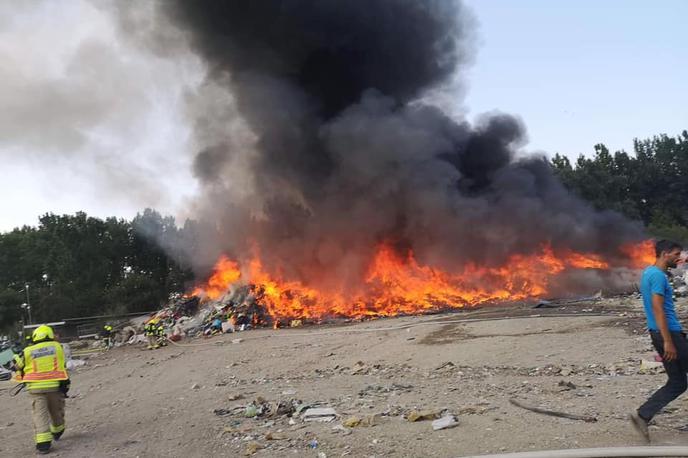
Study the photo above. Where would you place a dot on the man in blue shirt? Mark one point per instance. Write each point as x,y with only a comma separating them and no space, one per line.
666,333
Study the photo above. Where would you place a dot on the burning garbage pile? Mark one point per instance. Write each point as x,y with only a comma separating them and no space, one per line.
333,183
194,316
237,297
394,284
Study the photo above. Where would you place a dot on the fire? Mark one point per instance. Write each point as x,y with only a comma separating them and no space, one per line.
590,261
396,283
641,254
224,274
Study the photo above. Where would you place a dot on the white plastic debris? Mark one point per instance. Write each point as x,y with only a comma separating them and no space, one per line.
137,338
448,421
74,363
646,365
324,414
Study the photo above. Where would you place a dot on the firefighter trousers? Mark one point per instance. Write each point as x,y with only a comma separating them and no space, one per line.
48,415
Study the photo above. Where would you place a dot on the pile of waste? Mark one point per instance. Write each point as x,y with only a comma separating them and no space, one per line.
238,310
196,316
679,279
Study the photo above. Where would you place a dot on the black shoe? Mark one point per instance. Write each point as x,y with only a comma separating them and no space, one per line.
56,436
43,447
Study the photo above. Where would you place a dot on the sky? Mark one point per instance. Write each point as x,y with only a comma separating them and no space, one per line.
583,72
90,120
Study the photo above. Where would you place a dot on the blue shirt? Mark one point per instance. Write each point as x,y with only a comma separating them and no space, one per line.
655,281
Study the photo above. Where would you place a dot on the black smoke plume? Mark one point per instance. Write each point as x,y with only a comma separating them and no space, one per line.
325,144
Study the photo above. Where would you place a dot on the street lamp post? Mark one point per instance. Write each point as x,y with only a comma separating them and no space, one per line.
28,310
28,302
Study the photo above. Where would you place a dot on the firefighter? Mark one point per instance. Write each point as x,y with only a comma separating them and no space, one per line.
44,373
160,334
107,335
150,329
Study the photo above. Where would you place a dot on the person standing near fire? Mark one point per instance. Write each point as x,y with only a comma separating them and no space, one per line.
43,371
107,335
150,329
666,333
160,334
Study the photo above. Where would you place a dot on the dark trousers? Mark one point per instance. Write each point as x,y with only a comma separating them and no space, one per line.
676,371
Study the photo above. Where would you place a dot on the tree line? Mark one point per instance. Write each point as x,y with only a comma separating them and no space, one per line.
77,265
650,185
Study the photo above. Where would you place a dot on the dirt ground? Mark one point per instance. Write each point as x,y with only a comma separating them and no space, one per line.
582,358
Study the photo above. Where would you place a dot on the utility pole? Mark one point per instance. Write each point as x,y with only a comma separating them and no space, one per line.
28,302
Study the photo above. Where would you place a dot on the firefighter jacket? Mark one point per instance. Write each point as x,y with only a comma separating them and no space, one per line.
43,366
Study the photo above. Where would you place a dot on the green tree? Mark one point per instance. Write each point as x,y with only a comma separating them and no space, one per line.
651,185
76,265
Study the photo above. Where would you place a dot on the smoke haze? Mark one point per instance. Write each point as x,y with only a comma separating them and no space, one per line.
325,144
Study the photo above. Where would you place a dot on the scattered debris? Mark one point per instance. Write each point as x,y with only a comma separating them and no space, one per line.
554,413
126,333
651,366
447,365
368,420
423,415
137,339
324,414
299,408
561,302
77,344
275,437
378,390
566,386
352,422
252,448
74,363
478,409
545,304
250,411
358,368
447,421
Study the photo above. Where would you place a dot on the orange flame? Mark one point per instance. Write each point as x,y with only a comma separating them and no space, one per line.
641,254
589,261
224,274
398,284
